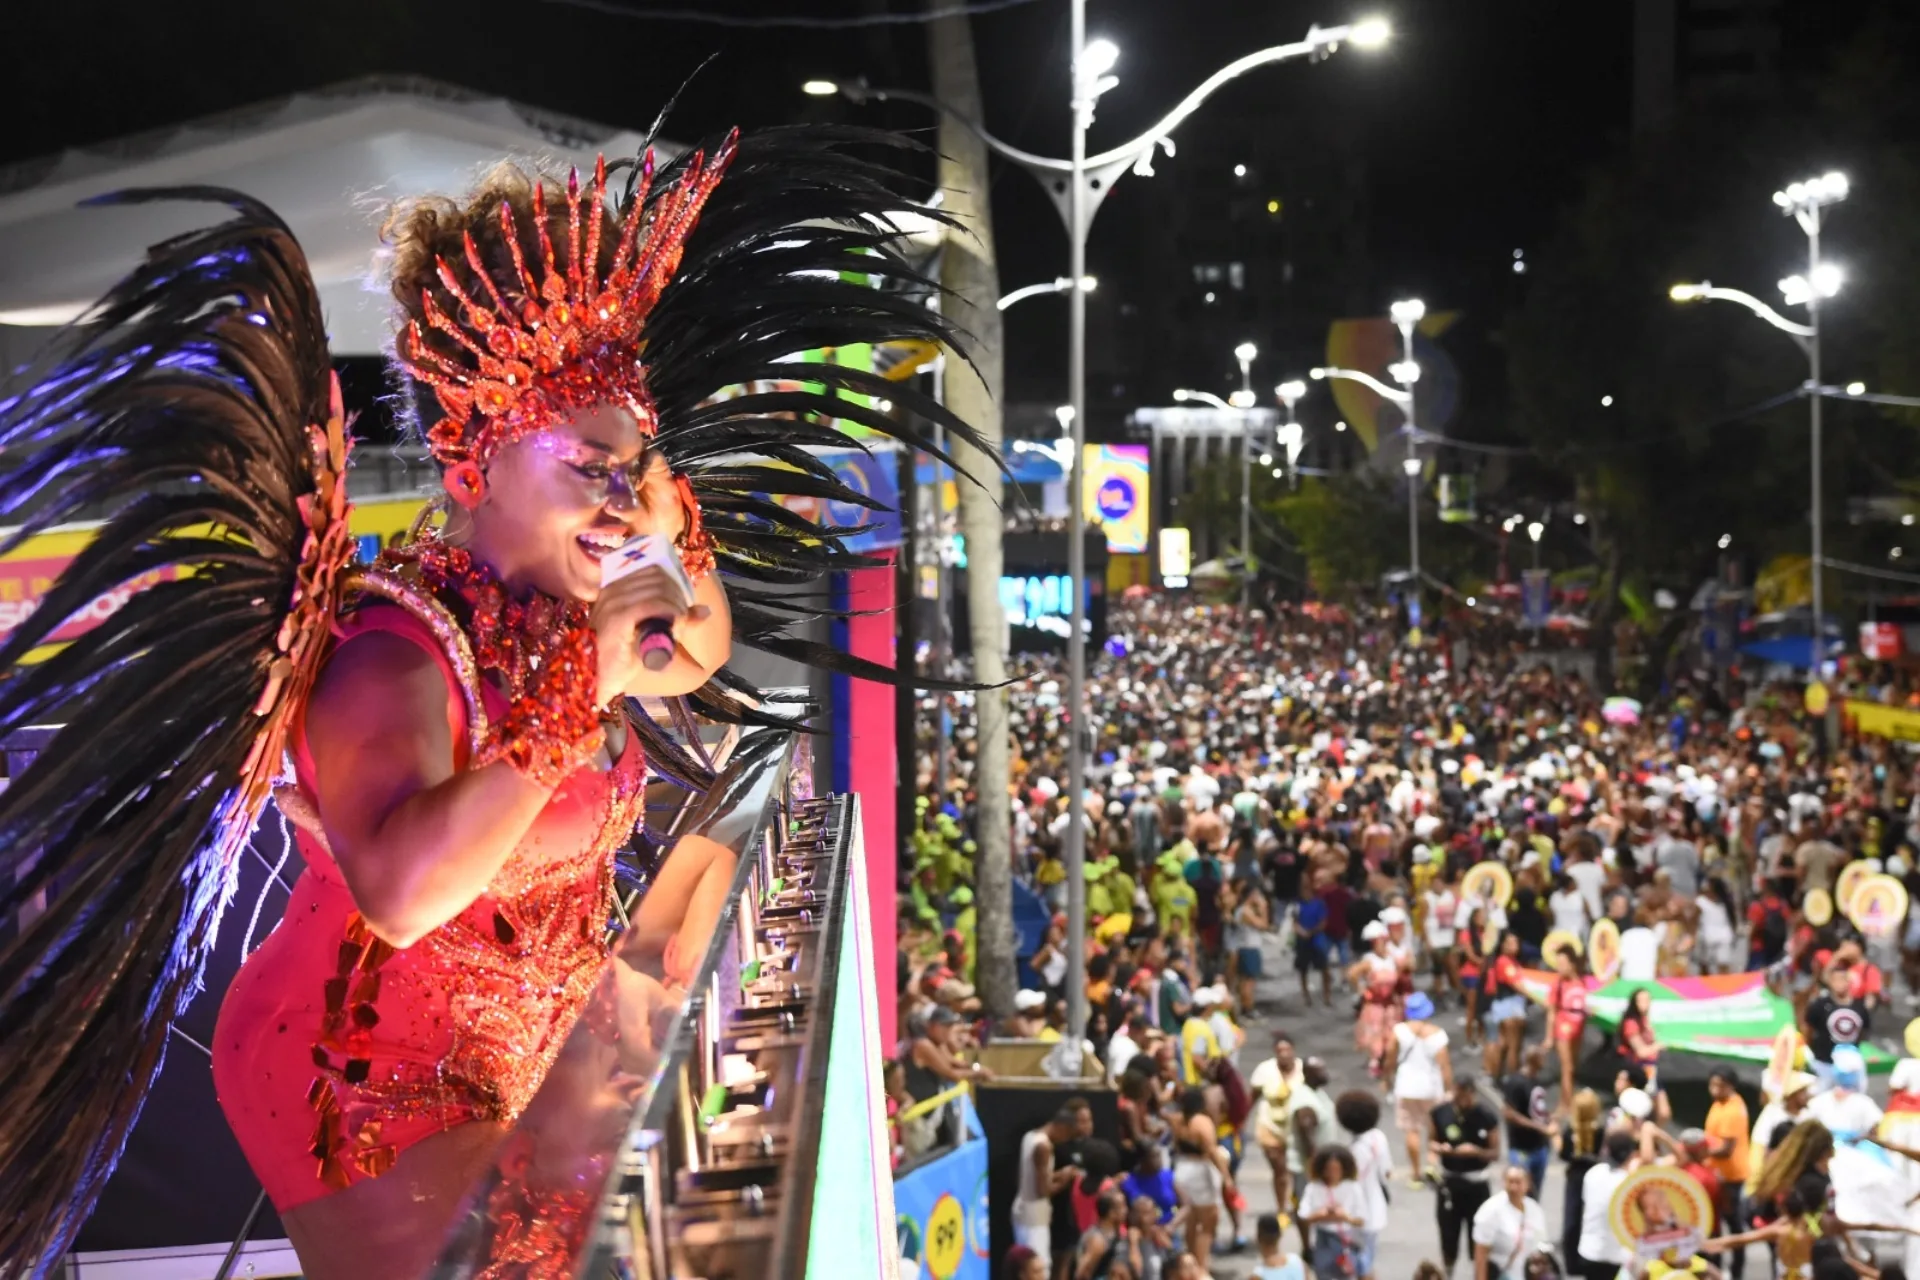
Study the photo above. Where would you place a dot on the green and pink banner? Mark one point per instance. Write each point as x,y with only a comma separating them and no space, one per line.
1728,1015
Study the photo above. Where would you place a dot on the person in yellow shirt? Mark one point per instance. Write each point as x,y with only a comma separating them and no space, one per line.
1729,1134
1199,1047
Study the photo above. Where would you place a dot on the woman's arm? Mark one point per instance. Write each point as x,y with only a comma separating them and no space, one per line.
1445,1060
416,839
1480,1262
1759,1234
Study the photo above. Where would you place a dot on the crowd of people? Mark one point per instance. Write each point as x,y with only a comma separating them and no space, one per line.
1427,834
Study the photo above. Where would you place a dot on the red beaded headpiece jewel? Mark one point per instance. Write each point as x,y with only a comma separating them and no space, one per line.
538,350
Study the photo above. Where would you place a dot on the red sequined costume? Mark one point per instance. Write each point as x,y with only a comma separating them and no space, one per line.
334,1051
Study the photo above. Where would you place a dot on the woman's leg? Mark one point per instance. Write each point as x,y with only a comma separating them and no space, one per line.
393,1227
1566,1049
1202,1222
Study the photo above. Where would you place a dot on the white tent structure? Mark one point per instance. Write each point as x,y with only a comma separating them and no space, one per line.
328,162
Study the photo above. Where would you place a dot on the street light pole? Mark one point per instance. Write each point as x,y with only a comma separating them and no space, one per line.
1810,221
1087,180
1405,315
1089,81
1803,202
1242,400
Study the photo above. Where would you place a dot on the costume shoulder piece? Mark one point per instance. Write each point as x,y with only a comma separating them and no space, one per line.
195,406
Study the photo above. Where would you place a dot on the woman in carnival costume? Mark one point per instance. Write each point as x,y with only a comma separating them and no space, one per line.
452,731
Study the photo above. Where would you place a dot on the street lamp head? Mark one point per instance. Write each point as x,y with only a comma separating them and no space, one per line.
1726,540
1689,292
1535,529
1370,33
1266,459
1826,279
820,88
1089,283
1814,193
1064,415
1411,466
1316,374
1290,391
1181,395
1404,371
1099,57
1407,311
1241,398
1856,388
1245,352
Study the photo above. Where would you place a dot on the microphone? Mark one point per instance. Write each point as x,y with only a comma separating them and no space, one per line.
656,644
655,639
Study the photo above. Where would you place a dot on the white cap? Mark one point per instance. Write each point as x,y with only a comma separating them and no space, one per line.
1373,930
1027,998
1422,855
1209,996
1393,915
1636,1103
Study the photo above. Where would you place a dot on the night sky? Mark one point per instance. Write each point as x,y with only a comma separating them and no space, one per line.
1473,127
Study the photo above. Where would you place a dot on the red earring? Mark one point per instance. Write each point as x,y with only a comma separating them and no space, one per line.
465,483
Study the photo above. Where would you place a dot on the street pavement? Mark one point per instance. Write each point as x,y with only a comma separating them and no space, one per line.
1412,1234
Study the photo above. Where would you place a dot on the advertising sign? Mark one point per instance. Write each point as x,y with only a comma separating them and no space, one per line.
941,1209
1176,555
28,572
1113,488
1880,641
1536,596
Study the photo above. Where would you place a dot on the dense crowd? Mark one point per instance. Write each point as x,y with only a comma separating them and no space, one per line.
1420,831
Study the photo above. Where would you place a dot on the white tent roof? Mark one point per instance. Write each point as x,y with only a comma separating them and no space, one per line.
328,162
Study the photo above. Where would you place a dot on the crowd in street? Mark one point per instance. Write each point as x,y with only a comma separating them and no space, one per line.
1427,836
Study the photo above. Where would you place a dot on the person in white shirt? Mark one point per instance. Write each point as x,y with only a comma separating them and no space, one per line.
1846,1109
1334,1209
1421,1071
1359,1114
1598,1244
1640,953
1506,1229
1124,1046
1569,907
1272,1085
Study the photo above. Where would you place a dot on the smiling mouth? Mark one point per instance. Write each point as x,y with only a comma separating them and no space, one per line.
599,544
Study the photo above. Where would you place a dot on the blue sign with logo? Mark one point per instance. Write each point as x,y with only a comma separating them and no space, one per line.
942,1211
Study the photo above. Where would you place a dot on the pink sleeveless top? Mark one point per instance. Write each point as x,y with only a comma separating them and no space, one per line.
335,1052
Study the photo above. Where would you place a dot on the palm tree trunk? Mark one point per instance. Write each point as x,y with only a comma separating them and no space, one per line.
969,272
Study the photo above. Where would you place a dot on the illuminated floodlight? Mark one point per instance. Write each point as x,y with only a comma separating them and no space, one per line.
1370,33
1726,540
1290,391
1245,352
1689,292
820,88
1241,398
1411,466
1535,529
1856,388
1340,426
1404,371
1408,311
1266,459
1099,57
1606,402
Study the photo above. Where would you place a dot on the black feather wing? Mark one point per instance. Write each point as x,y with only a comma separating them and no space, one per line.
175,412
796,250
